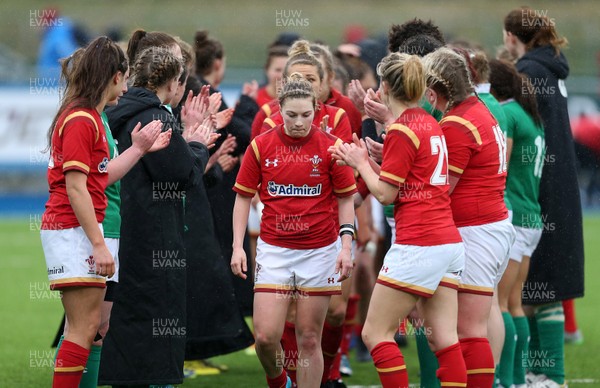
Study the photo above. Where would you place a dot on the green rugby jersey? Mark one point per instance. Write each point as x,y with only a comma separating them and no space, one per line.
112,219
525,165
483,91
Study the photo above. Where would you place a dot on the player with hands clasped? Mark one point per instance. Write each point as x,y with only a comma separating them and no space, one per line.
424,264
296,254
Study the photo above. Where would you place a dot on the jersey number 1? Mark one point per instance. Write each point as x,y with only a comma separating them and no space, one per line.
540,144
438,147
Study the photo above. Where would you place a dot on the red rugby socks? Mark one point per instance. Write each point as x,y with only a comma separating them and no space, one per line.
390,366
452,371
279,381
290,350
69,366
479,361
330,343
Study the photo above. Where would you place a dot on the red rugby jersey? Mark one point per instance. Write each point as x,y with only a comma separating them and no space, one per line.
477,155
337,99
263,97
296,179
338,124
79,144
263,113
415,160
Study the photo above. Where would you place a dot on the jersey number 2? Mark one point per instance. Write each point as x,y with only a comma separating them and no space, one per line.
438,147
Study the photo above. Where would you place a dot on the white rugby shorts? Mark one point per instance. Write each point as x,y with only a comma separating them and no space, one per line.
486,255
525,243
303,271
69,258
420,270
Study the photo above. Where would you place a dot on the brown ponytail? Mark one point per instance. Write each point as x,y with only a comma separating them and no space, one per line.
207,50
141,40
534,29
507,83
154,67
87,73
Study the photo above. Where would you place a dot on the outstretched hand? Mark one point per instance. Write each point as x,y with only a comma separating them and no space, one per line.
250,89
375,149
194,109
162,141
144,138
202,133
375,109
357,95
324,123
223,118
352,155
214,103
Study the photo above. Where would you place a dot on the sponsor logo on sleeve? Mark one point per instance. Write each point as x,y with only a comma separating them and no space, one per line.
103,165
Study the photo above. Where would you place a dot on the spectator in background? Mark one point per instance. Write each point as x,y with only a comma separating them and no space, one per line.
342,79
286,39
58,41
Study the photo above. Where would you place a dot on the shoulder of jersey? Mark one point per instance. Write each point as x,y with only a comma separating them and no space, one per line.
465,125
267,133
397,128
334,112
270,107
83,115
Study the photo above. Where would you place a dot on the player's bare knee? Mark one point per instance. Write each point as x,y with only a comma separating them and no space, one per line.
336,314
336,318
265,339
472,329
309,341
88,330
369,337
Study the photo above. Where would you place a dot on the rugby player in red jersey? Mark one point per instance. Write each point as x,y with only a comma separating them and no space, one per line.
477,171
424,265
291,169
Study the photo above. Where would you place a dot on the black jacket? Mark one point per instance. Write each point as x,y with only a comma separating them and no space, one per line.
146,340
214,322
215,325
556,270
222,196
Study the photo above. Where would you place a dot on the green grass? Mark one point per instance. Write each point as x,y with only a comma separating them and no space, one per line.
30,316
